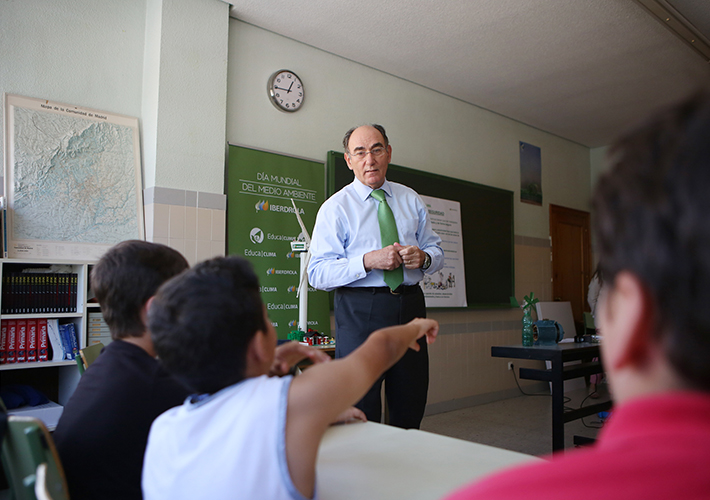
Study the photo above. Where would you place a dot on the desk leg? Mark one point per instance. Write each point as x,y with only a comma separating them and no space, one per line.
558,424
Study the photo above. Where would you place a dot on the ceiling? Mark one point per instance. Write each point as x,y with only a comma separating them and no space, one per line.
580,69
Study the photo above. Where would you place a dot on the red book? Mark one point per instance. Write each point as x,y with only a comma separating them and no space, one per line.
42,340
11,341
3,341
21,341
31,340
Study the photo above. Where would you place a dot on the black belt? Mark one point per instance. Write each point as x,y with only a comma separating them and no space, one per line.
400,290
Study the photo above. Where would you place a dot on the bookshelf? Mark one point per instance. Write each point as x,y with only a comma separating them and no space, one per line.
56,379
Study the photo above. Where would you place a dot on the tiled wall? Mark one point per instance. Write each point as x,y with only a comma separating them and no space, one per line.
462,371
191,222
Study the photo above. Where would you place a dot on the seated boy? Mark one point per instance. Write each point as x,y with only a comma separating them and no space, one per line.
245,435
103,430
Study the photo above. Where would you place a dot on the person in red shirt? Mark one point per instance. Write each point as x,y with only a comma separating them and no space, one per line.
652,226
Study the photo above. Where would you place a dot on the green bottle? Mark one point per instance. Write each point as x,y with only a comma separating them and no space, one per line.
527,327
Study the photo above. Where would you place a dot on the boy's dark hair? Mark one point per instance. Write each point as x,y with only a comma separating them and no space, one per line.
202,322
652,218
125,278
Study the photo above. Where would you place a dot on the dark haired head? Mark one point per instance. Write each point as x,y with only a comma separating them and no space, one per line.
379,128
652,218
126,277
202,322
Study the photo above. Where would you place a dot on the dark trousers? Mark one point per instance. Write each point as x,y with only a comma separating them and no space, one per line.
359,312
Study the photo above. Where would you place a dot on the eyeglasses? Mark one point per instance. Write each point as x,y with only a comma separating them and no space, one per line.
376,152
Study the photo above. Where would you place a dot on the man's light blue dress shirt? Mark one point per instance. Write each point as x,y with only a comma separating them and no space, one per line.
346,229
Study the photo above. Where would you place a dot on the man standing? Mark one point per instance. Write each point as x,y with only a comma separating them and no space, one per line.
372,243
653,240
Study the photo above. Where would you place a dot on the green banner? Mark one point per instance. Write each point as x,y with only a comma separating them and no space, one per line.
261,223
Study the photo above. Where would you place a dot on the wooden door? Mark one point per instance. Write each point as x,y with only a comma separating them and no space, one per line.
571,265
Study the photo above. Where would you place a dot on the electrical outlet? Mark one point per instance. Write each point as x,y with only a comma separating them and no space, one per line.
510,365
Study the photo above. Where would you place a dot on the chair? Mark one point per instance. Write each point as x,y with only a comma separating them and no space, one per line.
88,355
41,490
28,446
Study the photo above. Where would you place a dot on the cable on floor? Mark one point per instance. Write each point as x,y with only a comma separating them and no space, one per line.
521,389
598,424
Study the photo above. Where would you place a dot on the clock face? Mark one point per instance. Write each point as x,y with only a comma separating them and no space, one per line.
286,90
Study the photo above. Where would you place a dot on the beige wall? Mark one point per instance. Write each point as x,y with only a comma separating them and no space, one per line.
598,163
428,131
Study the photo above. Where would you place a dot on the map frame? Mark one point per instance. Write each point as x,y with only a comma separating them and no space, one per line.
23,248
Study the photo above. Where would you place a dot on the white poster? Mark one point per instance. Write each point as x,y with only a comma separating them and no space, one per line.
446,287
73,180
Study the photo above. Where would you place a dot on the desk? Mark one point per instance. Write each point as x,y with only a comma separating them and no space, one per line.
328,349
558,354
373,461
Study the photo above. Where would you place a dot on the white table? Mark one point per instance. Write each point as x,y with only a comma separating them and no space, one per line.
372,461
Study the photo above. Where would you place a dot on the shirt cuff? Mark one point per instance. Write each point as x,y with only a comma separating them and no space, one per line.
356,267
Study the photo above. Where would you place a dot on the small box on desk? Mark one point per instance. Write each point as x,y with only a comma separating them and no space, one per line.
48,413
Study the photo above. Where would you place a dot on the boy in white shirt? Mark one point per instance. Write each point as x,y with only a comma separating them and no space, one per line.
245,435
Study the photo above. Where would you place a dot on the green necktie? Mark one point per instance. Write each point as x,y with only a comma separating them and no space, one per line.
388,234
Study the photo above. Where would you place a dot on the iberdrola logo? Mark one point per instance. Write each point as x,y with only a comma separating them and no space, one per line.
292,323
291,255
262,206
271,270
292,288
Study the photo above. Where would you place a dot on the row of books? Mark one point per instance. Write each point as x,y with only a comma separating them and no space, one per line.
28,340
33,293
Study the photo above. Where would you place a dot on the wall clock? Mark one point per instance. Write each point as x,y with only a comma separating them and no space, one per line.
285,90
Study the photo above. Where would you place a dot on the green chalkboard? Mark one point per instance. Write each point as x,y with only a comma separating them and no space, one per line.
486,224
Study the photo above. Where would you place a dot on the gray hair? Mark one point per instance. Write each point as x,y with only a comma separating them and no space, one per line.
379,128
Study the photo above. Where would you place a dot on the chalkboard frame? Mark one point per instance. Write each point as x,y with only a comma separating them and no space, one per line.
487,225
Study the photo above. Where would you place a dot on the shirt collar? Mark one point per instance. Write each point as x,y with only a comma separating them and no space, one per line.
364,191
197,400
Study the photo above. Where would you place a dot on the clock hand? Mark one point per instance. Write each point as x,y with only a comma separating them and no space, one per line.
289,88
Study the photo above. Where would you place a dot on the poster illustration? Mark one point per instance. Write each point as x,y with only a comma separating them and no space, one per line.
446,287
530,174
